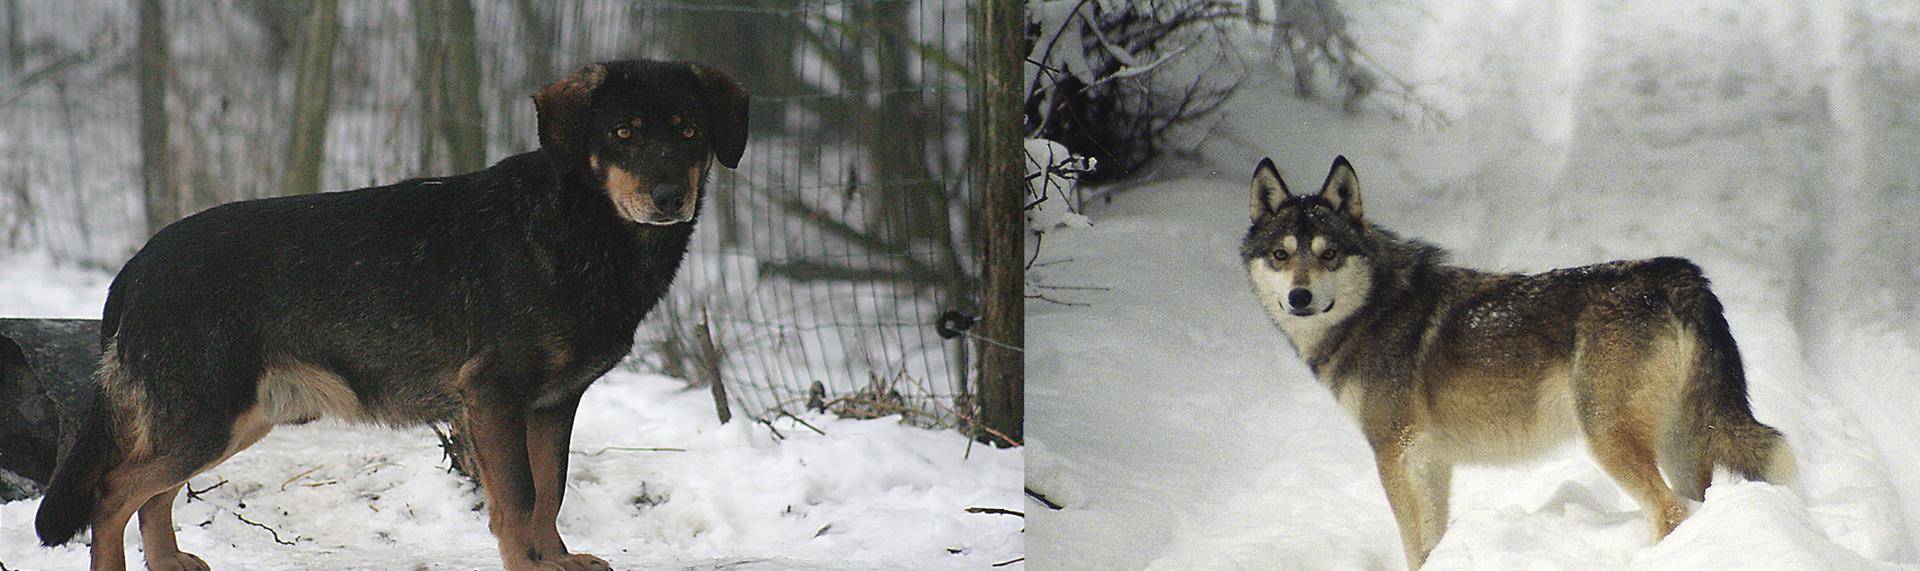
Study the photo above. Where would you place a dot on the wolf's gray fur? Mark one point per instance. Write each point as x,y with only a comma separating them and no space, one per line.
1442,364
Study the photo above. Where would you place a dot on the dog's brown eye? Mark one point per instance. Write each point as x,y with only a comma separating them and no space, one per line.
1280,255
688,132
1330,254
623,133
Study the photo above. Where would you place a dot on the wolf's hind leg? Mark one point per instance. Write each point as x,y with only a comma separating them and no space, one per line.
1627,455
1621,431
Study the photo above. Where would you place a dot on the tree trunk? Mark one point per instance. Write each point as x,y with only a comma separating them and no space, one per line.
430,53
16,47
999,46
312,98
461,118
152,66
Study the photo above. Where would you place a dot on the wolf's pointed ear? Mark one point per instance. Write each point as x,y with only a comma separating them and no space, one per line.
558,107
1342,189
726,105
1268,190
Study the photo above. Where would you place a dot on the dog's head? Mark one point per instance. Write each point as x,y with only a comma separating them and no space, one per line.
1308,255
644,132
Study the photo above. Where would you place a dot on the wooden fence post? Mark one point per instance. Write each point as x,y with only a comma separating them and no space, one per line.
999,47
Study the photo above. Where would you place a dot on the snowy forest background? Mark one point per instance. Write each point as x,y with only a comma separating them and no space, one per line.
1775,143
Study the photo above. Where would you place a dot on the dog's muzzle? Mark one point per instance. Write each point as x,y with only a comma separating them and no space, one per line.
669,204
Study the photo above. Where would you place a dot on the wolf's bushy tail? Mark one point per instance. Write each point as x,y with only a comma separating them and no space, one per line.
1716,426
72,493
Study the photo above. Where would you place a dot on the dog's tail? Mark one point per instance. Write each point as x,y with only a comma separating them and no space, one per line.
72,494
1716,426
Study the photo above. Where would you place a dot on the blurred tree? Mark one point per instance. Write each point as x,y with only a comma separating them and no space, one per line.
154,65
448,84
16,48
312,98
427,76
461,117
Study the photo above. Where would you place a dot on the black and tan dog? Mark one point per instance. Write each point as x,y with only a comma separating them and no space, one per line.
495,297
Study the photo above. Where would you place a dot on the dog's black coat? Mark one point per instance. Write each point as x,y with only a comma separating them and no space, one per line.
524,272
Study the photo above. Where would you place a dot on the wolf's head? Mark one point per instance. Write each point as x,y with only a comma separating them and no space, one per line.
1308,255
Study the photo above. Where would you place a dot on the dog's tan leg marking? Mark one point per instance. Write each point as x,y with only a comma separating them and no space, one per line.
500,428
549,432
156,536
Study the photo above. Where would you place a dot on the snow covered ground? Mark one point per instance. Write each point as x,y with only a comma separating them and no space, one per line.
869,494
1773,143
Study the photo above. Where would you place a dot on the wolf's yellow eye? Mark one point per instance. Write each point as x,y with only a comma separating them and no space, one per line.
688,132
1329,254
623,133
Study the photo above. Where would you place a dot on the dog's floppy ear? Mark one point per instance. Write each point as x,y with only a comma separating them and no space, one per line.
560,104
1268,190
1342,189
726,104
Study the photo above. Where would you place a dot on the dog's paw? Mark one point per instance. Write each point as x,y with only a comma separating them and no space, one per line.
177,561
576,562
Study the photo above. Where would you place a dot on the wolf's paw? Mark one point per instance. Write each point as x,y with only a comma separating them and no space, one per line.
176,561
576,562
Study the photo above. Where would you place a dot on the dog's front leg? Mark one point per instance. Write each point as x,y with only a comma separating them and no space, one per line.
498,424
549,432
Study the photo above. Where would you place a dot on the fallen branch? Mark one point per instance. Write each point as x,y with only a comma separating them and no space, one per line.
1043,500
628,449
283,485
193,494
995,511
810,426
276,534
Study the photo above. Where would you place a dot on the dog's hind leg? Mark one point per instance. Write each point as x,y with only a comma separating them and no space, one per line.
135,484
156,536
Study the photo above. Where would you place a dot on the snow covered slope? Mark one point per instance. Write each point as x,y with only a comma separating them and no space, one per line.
1772,143
869,494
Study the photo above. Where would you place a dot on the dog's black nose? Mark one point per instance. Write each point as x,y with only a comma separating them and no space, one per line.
1299,298
667,197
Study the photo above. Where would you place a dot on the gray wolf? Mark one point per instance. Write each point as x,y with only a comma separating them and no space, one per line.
494,297
1443,365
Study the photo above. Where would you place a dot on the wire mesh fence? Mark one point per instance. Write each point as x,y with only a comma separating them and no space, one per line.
826,259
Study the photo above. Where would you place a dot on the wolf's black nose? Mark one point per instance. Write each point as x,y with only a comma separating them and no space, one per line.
668,196
1299,298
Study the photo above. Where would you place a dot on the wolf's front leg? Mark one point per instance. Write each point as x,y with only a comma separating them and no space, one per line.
1416,488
